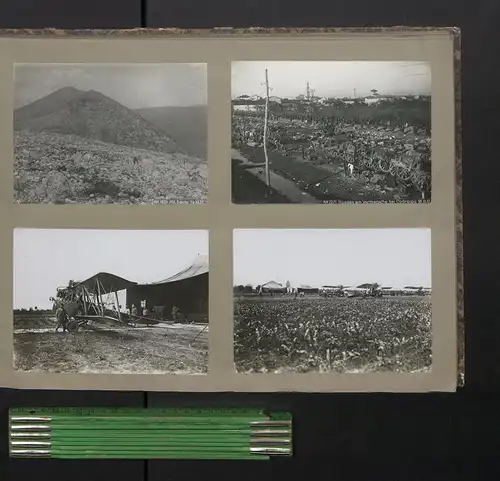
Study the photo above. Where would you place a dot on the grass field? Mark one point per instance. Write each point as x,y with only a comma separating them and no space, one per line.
314,334
163,349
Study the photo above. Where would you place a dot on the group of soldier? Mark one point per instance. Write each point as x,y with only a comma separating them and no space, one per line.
156,312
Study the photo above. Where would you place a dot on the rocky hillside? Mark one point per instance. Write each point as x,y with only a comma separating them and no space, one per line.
94,116
64,169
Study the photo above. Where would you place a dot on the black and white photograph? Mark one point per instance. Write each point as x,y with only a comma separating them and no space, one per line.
110,301
332,300
331,132
110,133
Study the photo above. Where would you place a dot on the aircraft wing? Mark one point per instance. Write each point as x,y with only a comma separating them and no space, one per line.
107,282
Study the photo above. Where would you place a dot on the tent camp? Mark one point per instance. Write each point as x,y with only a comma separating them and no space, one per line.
187,290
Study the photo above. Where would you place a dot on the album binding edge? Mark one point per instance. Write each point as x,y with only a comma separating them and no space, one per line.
169,31
457,60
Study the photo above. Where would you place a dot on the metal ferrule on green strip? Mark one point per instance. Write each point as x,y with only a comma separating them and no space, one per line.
172,433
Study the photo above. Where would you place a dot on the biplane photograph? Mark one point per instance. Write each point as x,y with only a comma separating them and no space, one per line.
302,302
85,303
331,132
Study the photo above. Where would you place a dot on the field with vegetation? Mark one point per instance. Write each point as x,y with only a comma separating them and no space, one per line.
387,144
313,334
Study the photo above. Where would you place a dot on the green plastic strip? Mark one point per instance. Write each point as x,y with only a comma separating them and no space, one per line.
155,433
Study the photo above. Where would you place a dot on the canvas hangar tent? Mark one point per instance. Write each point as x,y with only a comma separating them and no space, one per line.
272,287
187,290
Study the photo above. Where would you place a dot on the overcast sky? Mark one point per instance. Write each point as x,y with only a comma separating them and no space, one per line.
331,79
45,259
133,85
391,257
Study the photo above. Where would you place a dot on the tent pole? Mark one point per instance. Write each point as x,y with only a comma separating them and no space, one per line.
99,301
84,295
118,306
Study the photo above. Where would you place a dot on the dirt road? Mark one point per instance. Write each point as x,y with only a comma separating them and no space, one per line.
162,349
318,182
249,189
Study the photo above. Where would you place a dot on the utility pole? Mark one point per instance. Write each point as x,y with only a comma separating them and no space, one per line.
309,91
266,114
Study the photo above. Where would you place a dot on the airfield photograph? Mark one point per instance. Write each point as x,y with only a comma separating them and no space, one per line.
332,300
331,132
110,134
82,306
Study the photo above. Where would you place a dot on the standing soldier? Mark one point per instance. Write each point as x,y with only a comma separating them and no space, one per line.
61,316
175,313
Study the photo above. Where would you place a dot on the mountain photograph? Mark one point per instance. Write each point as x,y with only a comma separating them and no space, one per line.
102,134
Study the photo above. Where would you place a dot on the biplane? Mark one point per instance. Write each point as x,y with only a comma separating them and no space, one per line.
391,291
95,300
414,291
329,291
363,290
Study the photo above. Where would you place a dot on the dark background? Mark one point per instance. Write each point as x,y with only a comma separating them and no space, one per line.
382,437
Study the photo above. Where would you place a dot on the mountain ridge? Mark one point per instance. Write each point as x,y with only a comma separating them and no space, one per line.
46,104
93,115
187,125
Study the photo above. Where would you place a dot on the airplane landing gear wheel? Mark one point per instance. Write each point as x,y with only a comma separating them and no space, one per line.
73,326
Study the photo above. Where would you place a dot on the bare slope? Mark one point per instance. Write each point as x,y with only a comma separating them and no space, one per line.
59,169
94,116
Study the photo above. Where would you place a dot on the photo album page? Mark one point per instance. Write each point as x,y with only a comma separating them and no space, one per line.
231,210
